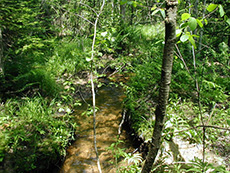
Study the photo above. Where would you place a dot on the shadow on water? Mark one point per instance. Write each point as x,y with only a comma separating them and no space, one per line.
81,156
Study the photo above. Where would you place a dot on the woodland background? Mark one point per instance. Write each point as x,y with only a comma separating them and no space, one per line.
45,47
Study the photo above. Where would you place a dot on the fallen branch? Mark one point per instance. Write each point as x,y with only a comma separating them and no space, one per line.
203,126
122,121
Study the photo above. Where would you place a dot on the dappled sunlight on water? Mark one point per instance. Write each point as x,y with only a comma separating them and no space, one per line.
81,155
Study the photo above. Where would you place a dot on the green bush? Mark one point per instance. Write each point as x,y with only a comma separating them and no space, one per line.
34,135
141,92
68,57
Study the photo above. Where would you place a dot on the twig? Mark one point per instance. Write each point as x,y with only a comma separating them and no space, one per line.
85,19
210,116
214,127
116,71
209,14
82,97
105,69
122,122
88,7
198,96
203,126
182,59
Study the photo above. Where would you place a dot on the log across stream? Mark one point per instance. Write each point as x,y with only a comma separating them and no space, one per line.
81,155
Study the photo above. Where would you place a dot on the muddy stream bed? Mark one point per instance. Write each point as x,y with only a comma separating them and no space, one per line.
81,157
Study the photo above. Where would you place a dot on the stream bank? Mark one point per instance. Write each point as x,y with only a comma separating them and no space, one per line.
81,155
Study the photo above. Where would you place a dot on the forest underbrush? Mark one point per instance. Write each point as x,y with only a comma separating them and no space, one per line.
46,57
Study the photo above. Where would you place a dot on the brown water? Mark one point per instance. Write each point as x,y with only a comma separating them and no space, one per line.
81,157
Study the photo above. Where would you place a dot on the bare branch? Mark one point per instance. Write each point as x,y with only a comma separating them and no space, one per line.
209,14
203,126
89,7
85,19
182,59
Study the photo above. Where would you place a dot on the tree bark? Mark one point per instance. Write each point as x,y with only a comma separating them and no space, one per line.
170,40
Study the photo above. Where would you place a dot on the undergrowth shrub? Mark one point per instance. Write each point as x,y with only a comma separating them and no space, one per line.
39,71
37,80
141,90
139,99
126,39
185,107
25,72
182,84
68,57
33,135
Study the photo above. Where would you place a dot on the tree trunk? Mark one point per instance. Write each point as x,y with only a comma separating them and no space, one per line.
1,53
202,30
170,39
122,14
195,11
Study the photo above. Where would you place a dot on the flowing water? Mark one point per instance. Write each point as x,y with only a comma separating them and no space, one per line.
81,157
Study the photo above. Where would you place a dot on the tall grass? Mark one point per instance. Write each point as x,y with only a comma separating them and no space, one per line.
68,57
32,135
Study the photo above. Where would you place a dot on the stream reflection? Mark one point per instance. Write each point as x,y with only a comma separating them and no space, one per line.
81,157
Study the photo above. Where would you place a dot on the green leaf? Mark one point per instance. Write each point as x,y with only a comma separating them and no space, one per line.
192,23
103,34
200,23
197,36
211,7
178,32
99,54
153,8
221,11
88,59
155,11
205,21
228,121
123,2
185,16
228,21
184,38
134,4
1,158
162,12
192,41
184,25
68,110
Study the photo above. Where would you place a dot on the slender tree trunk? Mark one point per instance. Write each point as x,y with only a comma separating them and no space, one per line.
170,39
202,30
195,11
1,53
92,86
122,13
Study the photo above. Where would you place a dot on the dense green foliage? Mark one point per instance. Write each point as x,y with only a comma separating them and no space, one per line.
32,132
44,48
